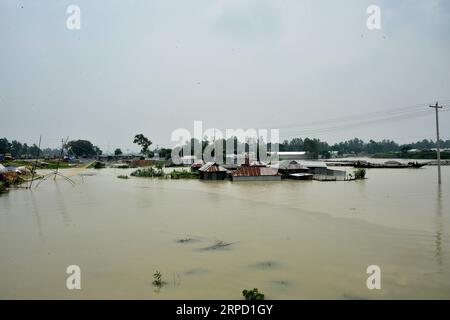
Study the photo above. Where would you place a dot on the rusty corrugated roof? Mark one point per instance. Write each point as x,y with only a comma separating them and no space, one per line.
254,171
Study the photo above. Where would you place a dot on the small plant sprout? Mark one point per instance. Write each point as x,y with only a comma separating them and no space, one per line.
157,279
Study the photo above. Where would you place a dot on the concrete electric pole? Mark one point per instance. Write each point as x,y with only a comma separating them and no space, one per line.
436,108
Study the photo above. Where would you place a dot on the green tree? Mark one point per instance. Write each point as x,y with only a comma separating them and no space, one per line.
118,152
16,149
33,151
143,142
83,148
5,146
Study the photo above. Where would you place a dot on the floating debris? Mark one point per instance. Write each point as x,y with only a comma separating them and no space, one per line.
282,283
186,240
91,174
195,272
264,265
218,245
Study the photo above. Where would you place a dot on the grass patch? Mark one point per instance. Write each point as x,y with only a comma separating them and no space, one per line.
37,165
182,174
122,176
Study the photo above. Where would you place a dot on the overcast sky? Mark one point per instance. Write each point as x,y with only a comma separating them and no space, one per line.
153,66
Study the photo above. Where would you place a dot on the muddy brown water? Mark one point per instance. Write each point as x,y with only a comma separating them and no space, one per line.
289,239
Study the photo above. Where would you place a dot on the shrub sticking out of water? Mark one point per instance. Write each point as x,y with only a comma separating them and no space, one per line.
148,172
252,294
218,245
359,173
122,176
157,279
186,240
97,165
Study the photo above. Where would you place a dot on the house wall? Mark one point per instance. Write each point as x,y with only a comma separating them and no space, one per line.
213,175
256,178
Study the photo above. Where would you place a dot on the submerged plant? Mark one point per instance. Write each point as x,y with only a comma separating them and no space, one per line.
157,279
360,173
148,172
122,176
252,294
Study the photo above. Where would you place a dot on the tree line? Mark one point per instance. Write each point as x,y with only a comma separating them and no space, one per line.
77,148
314,147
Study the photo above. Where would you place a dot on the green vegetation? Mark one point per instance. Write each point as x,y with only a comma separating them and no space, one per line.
17,149
148,173
83,148
252,294
182,174
157,279
144,143
79,148
122,176
359,173
2,187
39,165
381,149
117,152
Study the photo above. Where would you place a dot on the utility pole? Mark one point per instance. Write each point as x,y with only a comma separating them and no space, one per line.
436,108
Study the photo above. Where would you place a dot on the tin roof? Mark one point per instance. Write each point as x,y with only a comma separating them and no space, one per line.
254,171
212,167
289,165
198,164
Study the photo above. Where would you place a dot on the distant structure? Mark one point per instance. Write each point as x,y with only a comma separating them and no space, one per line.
289,155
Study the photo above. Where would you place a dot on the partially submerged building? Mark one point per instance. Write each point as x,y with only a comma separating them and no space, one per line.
288,167
255,173
321,171
212,171
307,170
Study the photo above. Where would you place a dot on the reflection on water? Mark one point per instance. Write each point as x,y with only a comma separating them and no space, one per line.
290,239
439,225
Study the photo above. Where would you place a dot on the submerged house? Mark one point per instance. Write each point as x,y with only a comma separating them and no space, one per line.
255,173
289,167
212,171
321,171
307,170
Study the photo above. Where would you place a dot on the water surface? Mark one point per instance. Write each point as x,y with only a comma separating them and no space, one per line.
290,239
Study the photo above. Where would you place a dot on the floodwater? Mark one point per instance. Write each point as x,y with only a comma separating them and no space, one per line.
211,240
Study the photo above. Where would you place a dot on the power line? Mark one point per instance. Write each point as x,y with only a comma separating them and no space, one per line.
355,124
400,110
